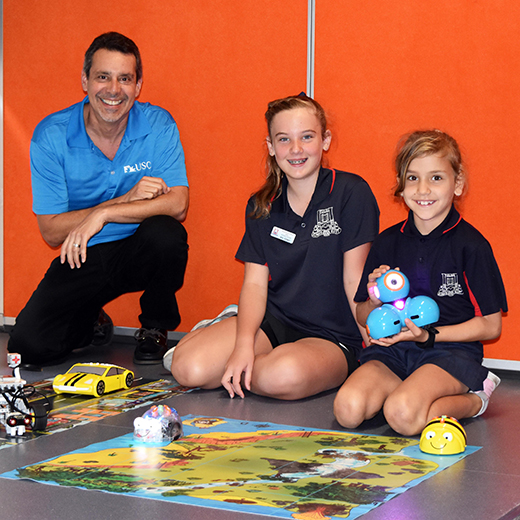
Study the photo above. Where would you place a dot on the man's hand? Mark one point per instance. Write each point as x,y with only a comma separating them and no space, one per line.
147,188
74,248
72,230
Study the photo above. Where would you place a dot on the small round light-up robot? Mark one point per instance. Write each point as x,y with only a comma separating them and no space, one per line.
160,423
392,289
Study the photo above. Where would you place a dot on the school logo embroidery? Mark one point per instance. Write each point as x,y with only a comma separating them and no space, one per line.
450,285
326,225
137,167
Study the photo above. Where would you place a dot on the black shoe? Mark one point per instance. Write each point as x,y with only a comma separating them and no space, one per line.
38,366
103,330
31,367
151,346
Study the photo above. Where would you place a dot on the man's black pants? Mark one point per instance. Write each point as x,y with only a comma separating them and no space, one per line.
60,315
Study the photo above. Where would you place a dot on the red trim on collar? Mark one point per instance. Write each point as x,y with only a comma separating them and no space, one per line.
476,306
445,231
456,224
333,179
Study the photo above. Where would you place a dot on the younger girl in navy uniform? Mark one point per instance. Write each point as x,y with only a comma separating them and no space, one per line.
419,374
308,233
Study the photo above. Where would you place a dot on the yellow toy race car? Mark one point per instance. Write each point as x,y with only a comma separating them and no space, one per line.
93,379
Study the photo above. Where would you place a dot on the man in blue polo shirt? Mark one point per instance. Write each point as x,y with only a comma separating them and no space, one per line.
109,187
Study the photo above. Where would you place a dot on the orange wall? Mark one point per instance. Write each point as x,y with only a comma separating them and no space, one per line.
386,68
382,69
213,65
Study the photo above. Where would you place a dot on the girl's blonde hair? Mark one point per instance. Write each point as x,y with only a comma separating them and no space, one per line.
421,144
273,183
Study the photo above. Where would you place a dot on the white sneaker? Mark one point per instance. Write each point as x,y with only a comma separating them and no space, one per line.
167,359
228,312
490,384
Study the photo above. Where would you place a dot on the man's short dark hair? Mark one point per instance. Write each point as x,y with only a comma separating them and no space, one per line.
113,41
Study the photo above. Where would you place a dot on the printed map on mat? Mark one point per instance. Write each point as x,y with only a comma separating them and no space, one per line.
264,468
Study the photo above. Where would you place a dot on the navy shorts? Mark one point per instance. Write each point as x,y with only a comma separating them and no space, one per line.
404,358
278,333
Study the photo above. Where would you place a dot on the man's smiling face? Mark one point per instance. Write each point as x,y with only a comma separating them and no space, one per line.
111,86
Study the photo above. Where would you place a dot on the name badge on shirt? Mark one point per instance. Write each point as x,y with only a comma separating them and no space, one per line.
282,234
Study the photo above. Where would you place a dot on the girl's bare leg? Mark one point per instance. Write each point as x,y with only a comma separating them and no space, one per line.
300,369
200,357
427,393
363,394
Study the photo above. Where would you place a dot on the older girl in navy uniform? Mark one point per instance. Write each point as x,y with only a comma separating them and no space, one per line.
419,374
308,233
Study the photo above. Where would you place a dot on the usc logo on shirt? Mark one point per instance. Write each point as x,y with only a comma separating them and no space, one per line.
137,167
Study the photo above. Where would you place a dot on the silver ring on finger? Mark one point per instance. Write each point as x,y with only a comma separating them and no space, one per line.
76,245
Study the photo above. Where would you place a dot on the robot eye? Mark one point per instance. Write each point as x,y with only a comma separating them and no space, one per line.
430,435
394,281
448,436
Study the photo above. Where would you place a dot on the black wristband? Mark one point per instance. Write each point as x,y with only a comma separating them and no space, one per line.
432,331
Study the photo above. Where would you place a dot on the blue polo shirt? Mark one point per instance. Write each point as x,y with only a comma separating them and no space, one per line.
454,265
305,254
70,173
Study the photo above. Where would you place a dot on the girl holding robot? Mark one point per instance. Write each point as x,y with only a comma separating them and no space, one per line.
424,372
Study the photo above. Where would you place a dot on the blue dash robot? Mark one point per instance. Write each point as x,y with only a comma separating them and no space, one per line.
392,289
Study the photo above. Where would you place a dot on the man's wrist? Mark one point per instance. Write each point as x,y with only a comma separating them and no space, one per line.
103,214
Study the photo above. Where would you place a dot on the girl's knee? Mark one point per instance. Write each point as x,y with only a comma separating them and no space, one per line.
268,385
282,381
199,358
190,375
188,370
349,409
179,372
402,416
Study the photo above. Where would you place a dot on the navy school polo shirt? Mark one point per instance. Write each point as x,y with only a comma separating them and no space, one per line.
454,265
305,254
